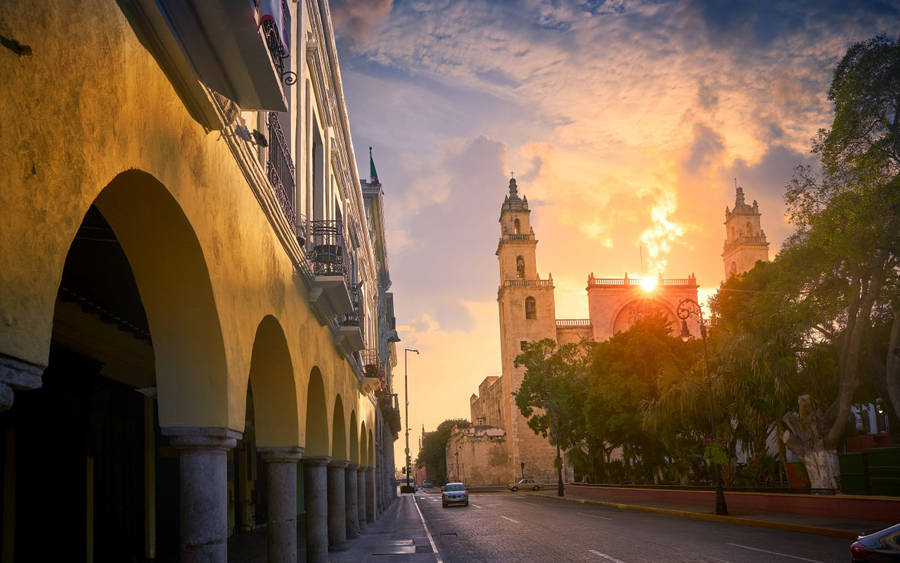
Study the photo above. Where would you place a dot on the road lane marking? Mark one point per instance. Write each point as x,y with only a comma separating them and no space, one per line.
476,506
437,554
774,553
605,556
511,520
593,515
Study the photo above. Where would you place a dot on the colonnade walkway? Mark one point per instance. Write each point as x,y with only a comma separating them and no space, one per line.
398,535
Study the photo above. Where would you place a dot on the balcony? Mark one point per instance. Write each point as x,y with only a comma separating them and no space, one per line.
330,293
280,168
350,325
228,46
565,323
373,375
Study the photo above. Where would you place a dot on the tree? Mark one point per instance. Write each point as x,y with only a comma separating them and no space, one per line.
433,455
549,393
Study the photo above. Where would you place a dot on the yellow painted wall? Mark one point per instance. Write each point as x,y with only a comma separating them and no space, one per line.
90,108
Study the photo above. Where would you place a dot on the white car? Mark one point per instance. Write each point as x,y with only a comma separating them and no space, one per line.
454,493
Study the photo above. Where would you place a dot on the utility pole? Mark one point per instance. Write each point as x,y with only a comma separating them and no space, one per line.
406,398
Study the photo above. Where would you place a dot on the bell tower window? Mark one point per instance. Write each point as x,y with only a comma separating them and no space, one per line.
530,308
520,267
517,227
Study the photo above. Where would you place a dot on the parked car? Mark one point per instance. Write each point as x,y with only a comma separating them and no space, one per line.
883,545
427,484
525,484
454,493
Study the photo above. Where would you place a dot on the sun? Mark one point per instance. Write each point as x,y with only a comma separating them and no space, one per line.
648,284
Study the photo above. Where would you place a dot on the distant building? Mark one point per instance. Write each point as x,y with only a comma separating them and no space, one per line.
527,312
745,241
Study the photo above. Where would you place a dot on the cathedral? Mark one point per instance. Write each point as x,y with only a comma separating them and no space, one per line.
499,447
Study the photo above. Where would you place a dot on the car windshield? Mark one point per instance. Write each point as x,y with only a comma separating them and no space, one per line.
455,487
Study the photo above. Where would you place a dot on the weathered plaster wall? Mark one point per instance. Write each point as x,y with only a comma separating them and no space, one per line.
482,456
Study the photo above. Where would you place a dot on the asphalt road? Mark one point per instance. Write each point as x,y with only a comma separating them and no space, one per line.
522,527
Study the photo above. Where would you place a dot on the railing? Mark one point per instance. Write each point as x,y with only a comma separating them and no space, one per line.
356,316
517,236
637,281
371,364
277,49
280,168
573,322
326,249
528,283
760,240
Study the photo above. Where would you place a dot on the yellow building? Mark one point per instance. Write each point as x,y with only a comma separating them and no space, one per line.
527,312
190,301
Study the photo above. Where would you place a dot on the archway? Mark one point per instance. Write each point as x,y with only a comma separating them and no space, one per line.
274,390
339,432
363,445
174,285
316,417
354,439
637,309
136,344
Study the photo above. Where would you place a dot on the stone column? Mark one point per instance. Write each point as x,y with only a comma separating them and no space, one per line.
281,496
370,494
361,497
315,489
337,506
203,488
351,497
17,374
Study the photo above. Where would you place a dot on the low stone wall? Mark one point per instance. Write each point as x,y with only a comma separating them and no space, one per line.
876,509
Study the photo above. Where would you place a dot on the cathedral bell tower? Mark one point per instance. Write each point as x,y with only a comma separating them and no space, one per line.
745,241
527,312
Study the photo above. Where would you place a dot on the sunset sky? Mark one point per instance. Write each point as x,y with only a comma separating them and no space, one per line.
625,122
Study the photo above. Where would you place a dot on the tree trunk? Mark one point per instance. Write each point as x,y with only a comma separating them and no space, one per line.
892,365
806,438
859,318
782,453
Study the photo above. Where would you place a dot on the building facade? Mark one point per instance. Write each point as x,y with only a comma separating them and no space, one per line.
190,279
745,241
527,312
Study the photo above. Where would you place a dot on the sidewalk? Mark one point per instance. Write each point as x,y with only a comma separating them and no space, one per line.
819,525
399,535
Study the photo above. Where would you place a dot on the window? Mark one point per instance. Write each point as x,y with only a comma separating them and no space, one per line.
318,175
522,344
530,308
520,267
749,229
516,226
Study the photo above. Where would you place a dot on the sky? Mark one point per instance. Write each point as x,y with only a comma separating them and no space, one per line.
625,123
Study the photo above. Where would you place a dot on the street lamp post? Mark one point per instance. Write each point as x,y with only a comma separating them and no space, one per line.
406,397
687,308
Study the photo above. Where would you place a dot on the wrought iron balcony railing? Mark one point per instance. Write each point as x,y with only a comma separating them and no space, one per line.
371,364
280,168
326,248
276,34
355,317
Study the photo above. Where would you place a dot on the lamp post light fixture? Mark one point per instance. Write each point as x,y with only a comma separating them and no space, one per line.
686,309
406,397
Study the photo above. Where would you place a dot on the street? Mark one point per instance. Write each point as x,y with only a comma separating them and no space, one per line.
525,527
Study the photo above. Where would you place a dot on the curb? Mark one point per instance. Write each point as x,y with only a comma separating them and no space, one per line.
786,526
